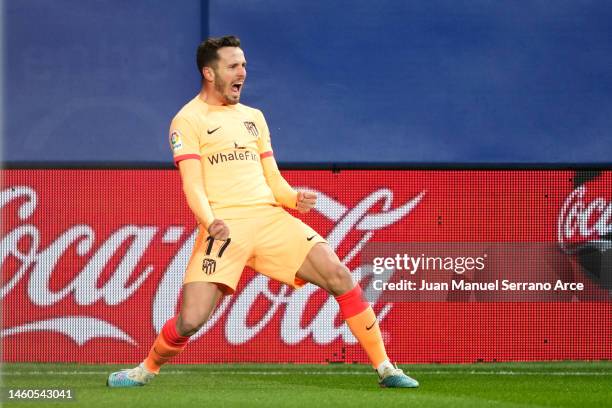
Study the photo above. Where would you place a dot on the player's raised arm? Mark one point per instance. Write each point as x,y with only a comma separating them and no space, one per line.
283,192
302,201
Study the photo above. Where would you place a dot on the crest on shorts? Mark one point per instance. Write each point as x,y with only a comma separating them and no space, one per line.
252,128
209,266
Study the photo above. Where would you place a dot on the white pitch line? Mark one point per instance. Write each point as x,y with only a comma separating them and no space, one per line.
513,373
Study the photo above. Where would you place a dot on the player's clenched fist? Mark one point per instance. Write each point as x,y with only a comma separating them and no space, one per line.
218,230
305,201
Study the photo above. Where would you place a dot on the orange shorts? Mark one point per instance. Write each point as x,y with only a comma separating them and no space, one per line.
274,244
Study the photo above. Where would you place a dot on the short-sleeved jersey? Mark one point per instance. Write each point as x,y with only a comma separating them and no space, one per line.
230,142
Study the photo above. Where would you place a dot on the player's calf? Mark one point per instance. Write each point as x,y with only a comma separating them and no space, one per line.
338,279
362,321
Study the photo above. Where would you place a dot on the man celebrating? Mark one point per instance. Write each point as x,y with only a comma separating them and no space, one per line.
236,192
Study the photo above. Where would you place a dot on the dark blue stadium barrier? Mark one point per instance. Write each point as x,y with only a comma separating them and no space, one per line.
343,81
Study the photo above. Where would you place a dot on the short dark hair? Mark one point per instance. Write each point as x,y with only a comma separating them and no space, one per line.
207,50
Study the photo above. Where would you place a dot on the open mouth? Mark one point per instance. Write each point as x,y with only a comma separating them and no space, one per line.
236,86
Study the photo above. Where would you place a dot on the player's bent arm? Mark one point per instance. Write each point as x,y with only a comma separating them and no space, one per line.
193,187
283,192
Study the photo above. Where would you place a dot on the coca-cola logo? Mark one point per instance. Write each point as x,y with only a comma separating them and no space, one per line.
36,265
584,220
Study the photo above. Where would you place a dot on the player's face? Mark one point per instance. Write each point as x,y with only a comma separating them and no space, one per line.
230,74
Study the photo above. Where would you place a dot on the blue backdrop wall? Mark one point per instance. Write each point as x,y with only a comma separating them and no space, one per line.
96,80
342,81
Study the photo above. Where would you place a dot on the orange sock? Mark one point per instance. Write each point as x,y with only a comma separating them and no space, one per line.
362,321
167,345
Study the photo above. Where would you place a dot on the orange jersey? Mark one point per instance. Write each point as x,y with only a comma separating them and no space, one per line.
229,141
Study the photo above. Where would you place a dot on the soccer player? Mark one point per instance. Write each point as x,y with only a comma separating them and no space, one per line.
236,192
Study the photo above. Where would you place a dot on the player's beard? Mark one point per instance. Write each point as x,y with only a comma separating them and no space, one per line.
224,89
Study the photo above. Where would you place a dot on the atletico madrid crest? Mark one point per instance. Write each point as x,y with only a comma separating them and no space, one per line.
252,128
209,266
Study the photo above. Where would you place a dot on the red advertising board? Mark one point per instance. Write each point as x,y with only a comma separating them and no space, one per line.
92,265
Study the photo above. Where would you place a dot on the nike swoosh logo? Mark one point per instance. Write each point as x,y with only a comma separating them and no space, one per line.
210,132
310,238
238,147
372,325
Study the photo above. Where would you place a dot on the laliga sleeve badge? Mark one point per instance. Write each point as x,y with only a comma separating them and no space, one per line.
176,141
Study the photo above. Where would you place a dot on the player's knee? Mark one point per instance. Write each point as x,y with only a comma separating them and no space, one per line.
339,279
190,323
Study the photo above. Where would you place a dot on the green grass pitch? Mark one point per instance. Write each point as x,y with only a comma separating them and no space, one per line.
559,384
